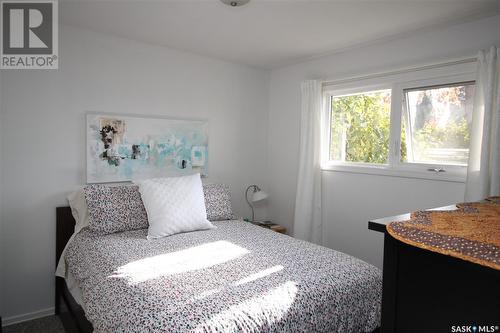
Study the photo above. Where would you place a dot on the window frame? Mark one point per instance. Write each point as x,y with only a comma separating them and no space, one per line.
397,83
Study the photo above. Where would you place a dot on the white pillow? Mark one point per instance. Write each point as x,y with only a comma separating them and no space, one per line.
174,205
79,210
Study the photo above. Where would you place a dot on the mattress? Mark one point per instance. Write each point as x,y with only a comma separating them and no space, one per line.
236,277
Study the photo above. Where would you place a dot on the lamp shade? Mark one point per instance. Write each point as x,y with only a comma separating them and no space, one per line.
259,196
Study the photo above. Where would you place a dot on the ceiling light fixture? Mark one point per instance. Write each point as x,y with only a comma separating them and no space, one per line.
235,3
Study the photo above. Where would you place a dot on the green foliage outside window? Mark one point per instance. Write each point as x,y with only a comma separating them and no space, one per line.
361,124
456,134
441,124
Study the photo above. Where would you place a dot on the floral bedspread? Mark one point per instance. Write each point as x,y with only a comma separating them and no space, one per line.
236,278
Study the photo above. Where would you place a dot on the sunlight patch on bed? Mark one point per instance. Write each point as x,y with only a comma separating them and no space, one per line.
254,313
259,275
207,293
191,259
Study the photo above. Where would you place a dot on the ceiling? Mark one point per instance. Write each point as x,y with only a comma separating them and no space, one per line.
268,33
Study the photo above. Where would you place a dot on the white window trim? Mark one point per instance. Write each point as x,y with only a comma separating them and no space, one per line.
462,72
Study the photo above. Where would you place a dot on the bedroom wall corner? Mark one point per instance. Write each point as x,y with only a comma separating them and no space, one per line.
45,156
351,199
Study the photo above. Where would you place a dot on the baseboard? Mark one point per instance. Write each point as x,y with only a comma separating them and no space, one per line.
27,316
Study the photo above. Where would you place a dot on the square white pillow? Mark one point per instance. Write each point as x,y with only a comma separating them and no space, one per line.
174,205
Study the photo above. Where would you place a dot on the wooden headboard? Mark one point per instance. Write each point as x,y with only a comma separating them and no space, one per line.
65,226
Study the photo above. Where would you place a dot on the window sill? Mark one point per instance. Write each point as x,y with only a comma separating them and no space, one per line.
385,170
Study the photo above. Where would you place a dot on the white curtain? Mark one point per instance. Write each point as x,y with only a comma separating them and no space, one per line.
483,174
307,222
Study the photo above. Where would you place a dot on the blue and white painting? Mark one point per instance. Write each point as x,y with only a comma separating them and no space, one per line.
126,148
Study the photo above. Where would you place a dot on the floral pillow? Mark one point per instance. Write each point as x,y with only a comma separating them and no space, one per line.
218,202
115,208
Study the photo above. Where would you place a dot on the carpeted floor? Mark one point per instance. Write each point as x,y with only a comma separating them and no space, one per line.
50,324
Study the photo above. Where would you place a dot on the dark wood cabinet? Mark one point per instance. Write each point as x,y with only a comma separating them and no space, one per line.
424,291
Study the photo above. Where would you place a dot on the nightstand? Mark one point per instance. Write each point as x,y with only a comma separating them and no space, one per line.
278,228
272,226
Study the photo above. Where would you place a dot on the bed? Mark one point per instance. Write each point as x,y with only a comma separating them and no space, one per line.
237,277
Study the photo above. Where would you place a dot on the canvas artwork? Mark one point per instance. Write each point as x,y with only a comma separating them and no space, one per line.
125,148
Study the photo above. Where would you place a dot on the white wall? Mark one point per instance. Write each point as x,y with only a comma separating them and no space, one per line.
43,137
350,200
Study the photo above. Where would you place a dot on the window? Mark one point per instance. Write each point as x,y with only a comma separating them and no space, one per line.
436,122
360,127
394,126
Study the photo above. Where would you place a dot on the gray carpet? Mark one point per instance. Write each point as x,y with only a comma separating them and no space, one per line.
50,324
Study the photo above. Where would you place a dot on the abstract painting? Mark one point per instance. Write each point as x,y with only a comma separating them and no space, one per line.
125,148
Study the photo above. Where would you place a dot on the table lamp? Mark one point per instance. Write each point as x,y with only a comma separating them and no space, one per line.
256,195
